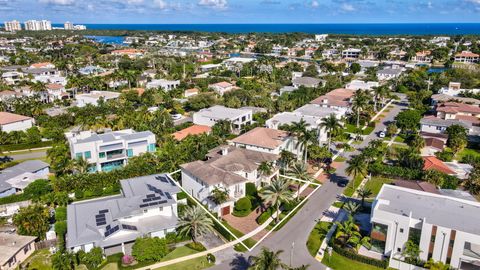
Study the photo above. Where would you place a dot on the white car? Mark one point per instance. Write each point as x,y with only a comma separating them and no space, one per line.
176,116
382,134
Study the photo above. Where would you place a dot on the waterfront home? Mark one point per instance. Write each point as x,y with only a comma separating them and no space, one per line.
423,57
15,179
467,57
110,150
15,122
146,207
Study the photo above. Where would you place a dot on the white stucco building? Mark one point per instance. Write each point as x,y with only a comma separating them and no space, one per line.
94,97
15,122
210,116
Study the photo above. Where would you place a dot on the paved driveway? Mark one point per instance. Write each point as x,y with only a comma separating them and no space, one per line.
293,236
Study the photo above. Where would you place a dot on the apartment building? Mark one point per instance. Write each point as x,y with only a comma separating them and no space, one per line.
110,150
34,25
147,206
210,116
12,26
68,26
445,228
227,168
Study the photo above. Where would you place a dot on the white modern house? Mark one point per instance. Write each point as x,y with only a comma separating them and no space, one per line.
94,97
166,85
15,179
351,53
445,228
15,122
227,168
110,150
361,85
147,206
210,116
389,73
267,140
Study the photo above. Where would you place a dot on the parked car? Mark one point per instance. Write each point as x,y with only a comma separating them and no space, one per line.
382,134
176,116
342,182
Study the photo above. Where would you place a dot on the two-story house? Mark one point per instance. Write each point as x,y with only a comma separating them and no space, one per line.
267,140
210,116
147,206
227,168
110,150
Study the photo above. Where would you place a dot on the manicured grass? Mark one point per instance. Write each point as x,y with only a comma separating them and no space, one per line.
376,183
110,266
193,264
399,139
467,151
248,242
316,237
350,189
178,252
39,260
340,159
349,128
338,262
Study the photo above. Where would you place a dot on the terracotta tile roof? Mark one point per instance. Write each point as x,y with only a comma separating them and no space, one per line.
433,163
41,65
417,185
337,97
455,107
262,137
472,119
435,143
423,53
139,91
466,54
54,86
8,118
192,130
223,84
127,51
191,91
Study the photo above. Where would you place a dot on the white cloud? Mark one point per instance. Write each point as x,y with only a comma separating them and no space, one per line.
314,4
134,1
58,2
347,7
218,4
160,4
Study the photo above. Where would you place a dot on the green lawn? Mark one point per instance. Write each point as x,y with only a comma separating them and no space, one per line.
178,252
316,236
376,183
340,159
352,186
349,128
467,151
39,260
193,264
338,262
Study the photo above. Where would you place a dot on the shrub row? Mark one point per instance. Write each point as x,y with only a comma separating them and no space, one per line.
23,146
394,171
359,258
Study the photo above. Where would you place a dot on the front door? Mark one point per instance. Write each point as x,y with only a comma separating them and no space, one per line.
225,210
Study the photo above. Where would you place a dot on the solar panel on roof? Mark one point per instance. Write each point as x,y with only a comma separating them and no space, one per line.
101,223
143,205
168,195
153,203
161,202
100,216
103,211
162,178
148,200
150,195
108,227
129,227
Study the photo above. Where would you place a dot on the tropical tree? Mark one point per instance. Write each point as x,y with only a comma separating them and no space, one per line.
351,207
332,125
265,169
79,165
33,220
472,183
360,103
433,265
218,195
267,260
348,234
417,142
380,93
63,261
357,167
194,222
286,158
299,171
364,193
276,193
411,252
306,138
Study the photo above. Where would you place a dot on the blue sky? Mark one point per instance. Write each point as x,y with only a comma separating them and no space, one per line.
241,11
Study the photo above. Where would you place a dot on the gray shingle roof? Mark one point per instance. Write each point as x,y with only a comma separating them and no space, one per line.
29,166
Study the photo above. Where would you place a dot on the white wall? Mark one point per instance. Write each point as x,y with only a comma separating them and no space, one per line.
17,126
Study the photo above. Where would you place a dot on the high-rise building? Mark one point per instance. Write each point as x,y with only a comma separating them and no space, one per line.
68,26
13,26
80,27
33,25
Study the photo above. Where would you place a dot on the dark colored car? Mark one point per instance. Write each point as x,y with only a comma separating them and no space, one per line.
342,183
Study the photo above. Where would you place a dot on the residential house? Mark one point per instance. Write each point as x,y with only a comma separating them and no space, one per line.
94,97
459,111
454,89
432,124
147,206
15,249
442,98
467,57
42,65
222,87
445,228
433,163
210,116
131,53
15,179
287,89
351,53
8,95
15,122
110,150
12,77
434,142
56,92
91,70
191,92
336,99
267,140
389,74
192,130
361,85
227,168
166,85
307,82
423,57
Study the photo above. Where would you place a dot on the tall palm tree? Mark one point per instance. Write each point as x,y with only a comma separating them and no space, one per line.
332,125
306,138
351,207
79,165
276,193
360,103
364,193
194,222
348,233
356,167
265,169
286,157
380,92
267,260
218,195
299,171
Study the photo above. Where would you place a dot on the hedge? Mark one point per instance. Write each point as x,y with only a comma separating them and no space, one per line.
265,216
359,258
61,213
23,146
394,171
14,198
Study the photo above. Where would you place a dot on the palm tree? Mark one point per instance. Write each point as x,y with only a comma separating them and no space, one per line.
79,165
306,138
267,260
380,92
276,193
286,157
299,171
356,167
417,142
348,233
194,222
218,195
265,169
332,125
351,207
364,193
360,103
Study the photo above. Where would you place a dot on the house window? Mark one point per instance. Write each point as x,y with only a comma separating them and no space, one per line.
151,147
160,208
129,152
401,230
101,155
88,154
78,155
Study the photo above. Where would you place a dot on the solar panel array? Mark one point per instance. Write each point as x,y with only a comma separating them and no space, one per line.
129,227
165,179
101,219
152,203
111,231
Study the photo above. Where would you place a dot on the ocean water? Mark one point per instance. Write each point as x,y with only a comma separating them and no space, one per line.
357,29
107,39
